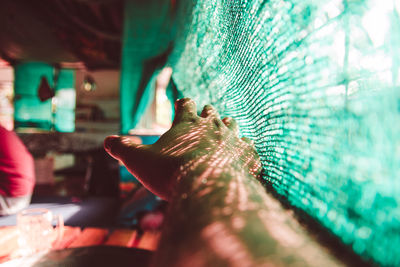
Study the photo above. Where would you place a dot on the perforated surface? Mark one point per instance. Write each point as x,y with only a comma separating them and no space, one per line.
316,85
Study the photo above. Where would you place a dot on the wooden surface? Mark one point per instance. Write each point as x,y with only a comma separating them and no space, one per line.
76,237
121,237
90,237
149,240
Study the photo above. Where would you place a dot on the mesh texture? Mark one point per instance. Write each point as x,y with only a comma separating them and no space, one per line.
316,85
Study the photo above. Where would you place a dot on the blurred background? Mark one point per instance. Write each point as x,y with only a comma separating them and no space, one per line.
74,72
314,83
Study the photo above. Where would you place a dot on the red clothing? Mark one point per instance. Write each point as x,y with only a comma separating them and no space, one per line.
17,171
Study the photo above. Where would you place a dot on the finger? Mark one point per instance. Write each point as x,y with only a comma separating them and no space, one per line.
231,124
141,162
119,147
209,111
185,108
248,141
185,105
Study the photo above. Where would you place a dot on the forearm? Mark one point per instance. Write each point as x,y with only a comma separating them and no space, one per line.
227,219
219,215
208,218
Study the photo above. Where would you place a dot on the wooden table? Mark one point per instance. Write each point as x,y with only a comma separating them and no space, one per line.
75,237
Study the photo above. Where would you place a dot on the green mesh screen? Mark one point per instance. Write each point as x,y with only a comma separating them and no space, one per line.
316,84
146,36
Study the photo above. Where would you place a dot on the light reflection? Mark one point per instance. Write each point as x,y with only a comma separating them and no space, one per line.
376,21
326,120
227,245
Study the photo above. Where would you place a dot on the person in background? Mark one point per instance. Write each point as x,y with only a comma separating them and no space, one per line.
17,173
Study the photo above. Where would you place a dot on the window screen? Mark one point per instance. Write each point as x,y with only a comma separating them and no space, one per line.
316,85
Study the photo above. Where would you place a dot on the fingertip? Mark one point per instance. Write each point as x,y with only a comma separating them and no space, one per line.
185,110
110,141
231,124
116,145
209,111
185,104
227,121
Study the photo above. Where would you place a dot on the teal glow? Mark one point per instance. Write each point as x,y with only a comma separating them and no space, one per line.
29,111
65,100
147,34
316,85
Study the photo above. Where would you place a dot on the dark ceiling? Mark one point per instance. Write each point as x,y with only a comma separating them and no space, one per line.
56,31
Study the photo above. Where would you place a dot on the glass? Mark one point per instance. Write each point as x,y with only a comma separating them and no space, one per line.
36,232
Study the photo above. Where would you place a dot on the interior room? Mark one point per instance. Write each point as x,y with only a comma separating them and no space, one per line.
204,133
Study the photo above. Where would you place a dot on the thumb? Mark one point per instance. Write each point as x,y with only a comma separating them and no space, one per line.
143,163
136,158
120,148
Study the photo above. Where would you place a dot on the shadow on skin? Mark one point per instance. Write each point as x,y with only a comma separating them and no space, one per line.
219,214
192,141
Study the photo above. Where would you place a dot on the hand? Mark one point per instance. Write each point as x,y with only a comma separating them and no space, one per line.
193,144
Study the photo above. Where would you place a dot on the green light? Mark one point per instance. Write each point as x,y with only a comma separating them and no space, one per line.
316,85
30,111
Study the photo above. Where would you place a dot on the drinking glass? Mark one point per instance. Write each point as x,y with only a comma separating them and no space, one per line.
36,232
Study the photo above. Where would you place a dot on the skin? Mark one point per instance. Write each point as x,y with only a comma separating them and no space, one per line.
191,139
219,214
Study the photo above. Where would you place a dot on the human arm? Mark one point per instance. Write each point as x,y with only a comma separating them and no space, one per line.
219,213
